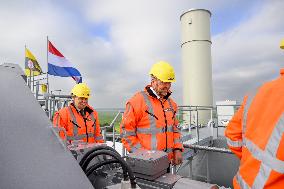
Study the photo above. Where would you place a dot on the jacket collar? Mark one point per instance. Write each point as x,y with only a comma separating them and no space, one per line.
87,109
154,94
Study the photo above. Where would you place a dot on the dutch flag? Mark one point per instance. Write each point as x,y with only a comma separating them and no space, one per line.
58,65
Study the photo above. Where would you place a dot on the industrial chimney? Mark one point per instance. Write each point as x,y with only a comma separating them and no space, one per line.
196,63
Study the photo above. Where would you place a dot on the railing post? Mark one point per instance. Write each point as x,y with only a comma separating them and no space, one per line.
113,136
173,169
37,90
104,133
197,126
189,127
123,153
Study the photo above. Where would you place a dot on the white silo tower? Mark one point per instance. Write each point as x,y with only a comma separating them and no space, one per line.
196,62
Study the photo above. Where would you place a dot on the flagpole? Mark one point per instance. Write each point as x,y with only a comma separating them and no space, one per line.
30,76
30,79
33,81
25,68
47,63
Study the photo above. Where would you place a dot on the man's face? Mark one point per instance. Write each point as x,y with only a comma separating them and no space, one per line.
161,88
80,102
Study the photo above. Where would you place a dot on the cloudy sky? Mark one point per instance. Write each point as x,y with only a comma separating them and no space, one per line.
114,43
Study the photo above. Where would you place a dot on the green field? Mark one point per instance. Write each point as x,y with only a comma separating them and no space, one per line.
106,117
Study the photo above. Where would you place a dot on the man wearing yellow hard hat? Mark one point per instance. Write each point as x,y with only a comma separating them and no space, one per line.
149,120
79,119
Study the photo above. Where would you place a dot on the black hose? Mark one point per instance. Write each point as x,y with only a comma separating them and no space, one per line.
116,156
94,154
91,169
100,147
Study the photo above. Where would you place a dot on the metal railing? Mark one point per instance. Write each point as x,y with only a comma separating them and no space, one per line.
54,102
183,110
208,148
111,126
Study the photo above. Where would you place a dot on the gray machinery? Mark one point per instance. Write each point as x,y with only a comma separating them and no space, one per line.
143,169
150,168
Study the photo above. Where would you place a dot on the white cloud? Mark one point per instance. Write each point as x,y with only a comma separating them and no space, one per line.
116,63
248,55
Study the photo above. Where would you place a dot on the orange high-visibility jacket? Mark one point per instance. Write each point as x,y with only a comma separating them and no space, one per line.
255,135
78,127
150,124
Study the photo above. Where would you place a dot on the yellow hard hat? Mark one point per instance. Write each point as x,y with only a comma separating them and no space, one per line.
163,71
81,90
282,44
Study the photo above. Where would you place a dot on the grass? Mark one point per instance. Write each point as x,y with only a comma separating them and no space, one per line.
106,117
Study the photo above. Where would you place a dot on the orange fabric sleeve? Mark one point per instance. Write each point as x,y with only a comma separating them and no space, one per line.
128,128
233,131
177,135
98,133
61,123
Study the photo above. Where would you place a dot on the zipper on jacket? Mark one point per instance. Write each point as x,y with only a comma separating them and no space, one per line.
85,119
166,129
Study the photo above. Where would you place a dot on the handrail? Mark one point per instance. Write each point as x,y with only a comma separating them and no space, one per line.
113,128
46,95
114,119
185,106
207,148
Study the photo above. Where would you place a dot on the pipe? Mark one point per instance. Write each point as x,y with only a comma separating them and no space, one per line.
46,95
207,148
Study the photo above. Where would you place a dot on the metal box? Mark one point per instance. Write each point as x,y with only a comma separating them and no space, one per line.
79,149
148,164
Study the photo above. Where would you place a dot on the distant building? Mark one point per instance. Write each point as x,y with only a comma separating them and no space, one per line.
225,111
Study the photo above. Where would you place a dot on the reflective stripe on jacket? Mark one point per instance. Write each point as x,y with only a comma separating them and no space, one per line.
150,124
255,135
77,127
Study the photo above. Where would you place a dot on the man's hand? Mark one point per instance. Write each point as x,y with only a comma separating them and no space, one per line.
177,157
